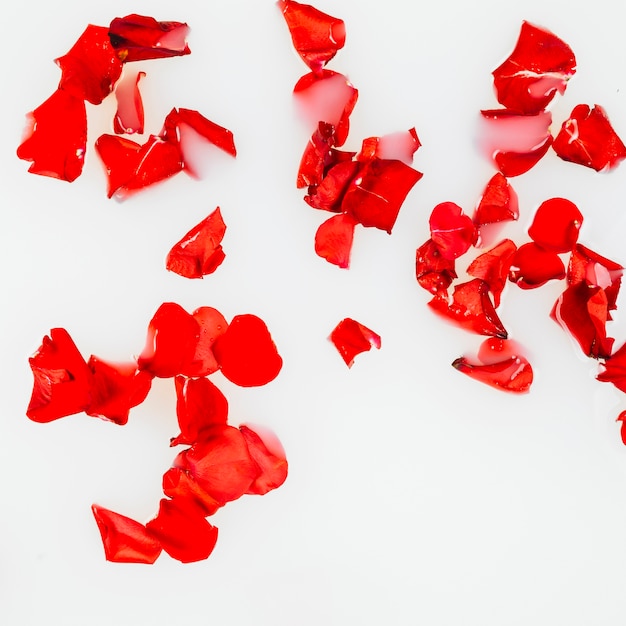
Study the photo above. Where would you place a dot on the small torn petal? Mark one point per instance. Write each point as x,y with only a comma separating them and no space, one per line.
400,146
352,338
333,239
498,203
493,267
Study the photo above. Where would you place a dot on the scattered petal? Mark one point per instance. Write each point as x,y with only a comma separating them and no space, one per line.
614,369
493,267
532,266
433,272
556,225
351,338
399,146
212,325
498,203
451,230
129,117
333,239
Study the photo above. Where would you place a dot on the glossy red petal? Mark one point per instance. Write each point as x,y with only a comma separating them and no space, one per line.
587,138
138,38
375,196
220,464
514,142
316,36
246,352
556,225
129,117
614,369
433,272
471,308
91,68
532,266
124,539
268,454
351,338
399,146
451,230
212,325
538,68
509,372
583,312
326,97
200,406
116,388
171,342
493,267
180,485
333,239
56,138
183,531
199,252
62,382
498,203
328,195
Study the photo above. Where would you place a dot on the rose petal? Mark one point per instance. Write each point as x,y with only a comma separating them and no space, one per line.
532,266
179,485
129,117
268,454
433,272
333,239
212,325
451,230
352,338
493,267
498,203
556,225
328,195
399,146
614,369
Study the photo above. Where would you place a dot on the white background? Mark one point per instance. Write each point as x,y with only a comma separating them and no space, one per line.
415,495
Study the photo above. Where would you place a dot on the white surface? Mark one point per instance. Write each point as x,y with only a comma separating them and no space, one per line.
415,495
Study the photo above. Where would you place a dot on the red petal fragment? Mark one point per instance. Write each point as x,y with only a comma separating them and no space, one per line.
328,195
509,372
399,146
515,142
539,66
91,67
556,224
267,452
451,230
116,388
375,196
532,266
587,138
493,267
124,539
171,343
583,312
220,464
183,531
471,309
498,203
316,36
327,97
129,117
56,137
200,406
62,382
614,369
333,239
212,325
199,252
178,484
246,352
622,418
138,38
351,338
433,272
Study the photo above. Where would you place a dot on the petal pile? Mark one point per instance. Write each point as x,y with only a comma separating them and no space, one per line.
220,464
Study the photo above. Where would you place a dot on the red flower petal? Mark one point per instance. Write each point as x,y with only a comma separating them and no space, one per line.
614,369
539,66
62,382
316,36
246,353
333,239
178,484
433,272
509,372
532,266
200,406
587,138
183,531
515,142
622,418
471,309
171,343
138,38
556,224
327,97
583,312
56,139
129,117
493,267
399,146
212,325
220,464
199,252
498,203
124,539
116,388
91,67
451,230
351,338
267,452
328,195
375,196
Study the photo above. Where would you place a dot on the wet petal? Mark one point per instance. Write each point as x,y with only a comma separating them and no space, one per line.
498,203
129,117
614,369
451,230
493,267
433,272
179,485
399,146
556,225
267,452
212,325
328,195
532,266
333,239
351,338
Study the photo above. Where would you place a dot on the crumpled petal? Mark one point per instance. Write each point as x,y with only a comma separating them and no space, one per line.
268,453
400,146
124,539
556,225
333,239
179,485
352,338
533,266
498,203
614,369
493,267
451,230
329,193
129,117
433,272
